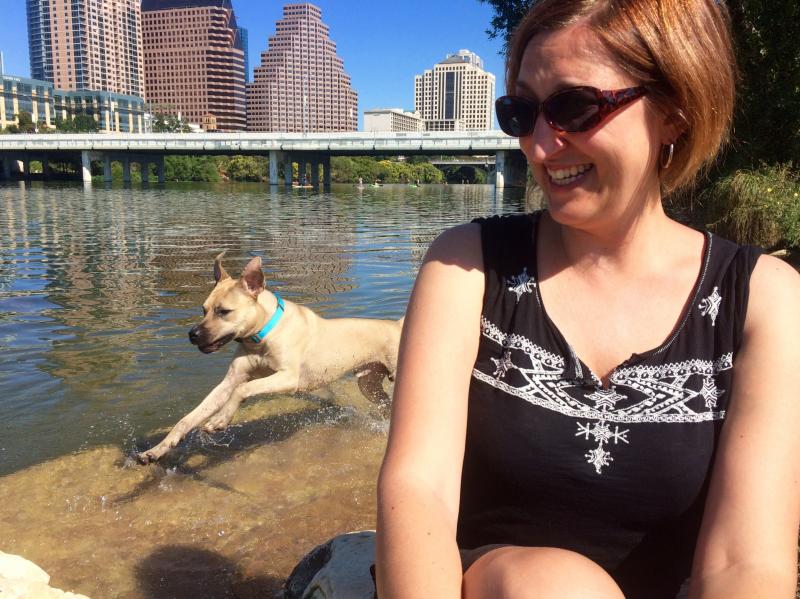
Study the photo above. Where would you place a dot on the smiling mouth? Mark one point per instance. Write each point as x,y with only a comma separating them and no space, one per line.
568,175
212,347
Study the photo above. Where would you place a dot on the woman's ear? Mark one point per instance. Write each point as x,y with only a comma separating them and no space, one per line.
672,127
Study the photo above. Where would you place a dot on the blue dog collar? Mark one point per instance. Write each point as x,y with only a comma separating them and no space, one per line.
259,337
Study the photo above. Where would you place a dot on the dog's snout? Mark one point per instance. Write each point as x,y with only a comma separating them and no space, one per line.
194,333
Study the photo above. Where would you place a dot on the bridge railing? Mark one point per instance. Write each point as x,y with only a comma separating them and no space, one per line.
230,143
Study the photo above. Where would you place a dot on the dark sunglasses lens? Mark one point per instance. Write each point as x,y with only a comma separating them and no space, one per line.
516,117
573,110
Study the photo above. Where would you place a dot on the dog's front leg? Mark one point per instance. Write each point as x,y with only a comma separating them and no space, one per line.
282,381
222,393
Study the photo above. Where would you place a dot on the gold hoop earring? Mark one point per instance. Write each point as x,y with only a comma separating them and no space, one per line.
670,150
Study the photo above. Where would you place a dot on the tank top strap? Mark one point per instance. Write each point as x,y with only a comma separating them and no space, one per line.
509,261
720,307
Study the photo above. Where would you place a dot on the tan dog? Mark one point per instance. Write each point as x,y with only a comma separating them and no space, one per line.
284,348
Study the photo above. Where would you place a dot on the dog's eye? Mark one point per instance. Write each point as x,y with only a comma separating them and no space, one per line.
222,311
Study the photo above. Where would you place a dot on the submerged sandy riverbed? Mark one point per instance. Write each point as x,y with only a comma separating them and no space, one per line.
227,517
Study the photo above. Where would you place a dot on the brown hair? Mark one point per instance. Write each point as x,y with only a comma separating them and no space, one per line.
681,50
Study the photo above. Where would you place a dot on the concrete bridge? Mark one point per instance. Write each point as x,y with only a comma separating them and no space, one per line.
282,149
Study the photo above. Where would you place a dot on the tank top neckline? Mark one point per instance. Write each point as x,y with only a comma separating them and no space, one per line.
575,363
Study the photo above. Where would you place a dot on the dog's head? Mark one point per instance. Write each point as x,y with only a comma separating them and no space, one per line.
231,311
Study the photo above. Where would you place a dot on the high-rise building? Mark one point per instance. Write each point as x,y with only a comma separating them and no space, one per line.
301,85
246,48
194,61
87,44
456,95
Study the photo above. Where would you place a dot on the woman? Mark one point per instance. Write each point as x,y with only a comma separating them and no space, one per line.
564,377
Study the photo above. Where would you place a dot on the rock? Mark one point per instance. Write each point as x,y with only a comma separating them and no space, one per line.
338,569
22,579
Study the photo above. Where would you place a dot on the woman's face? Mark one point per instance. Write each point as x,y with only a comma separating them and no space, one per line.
598,176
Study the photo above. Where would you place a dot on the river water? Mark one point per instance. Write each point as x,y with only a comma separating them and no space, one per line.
98,288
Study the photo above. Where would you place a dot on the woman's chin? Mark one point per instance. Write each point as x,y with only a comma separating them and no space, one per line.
573,208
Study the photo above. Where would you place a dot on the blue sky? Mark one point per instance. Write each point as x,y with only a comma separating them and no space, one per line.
383,44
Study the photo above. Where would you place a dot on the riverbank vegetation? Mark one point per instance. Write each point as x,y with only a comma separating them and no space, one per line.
344,169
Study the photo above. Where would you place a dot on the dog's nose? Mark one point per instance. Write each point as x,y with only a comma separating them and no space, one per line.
194,334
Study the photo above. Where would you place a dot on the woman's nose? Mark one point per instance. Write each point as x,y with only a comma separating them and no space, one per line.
543,142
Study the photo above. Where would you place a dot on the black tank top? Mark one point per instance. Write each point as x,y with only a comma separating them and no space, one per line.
553,459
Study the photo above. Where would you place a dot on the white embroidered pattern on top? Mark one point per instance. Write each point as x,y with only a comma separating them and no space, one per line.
521,283
710,305
675,392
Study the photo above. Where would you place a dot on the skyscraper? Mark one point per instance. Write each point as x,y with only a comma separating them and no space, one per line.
87,44
456,95
301,85
246,48
194,61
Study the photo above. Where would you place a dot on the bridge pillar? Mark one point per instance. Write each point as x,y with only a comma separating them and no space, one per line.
126,169
315,172
6,169
274,157
86,166
107,176
144,167
287,170
326,172
511,169
46,167
162,173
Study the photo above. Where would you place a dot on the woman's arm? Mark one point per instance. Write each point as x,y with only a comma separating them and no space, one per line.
748,542
420,480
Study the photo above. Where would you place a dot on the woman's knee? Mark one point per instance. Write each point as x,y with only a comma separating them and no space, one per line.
537,573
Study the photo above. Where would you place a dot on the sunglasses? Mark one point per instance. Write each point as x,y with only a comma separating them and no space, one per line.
571,110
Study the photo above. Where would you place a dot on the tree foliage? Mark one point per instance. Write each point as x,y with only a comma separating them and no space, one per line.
507,14
767,121
169,123
80,123
24,124
346,169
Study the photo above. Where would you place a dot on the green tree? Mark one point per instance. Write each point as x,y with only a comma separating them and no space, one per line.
169,123
80,123
245,168
25,122
767,120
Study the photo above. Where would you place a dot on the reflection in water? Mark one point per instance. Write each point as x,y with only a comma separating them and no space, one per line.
97,290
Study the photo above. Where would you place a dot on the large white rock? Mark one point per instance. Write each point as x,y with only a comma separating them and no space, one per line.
338,569
22,579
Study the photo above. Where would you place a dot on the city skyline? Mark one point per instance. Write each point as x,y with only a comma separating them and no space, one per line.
381,59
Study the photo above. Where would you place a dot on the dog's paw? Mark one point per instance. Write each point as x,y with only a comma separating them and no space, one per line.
146,457
216,424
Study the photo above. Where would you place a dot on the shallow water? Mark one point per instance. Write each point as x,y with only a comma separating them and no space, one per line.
98,288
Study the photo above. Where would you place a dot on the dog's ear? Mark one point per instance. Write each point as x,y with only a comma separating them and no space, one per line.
219,271
252,279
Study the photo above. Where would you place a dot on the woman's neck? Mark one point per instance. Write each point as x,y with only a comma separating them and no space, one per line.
623,245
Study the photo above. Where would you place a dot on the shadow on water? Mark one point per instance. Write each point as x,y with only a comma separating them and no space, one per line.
202,451
188,572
